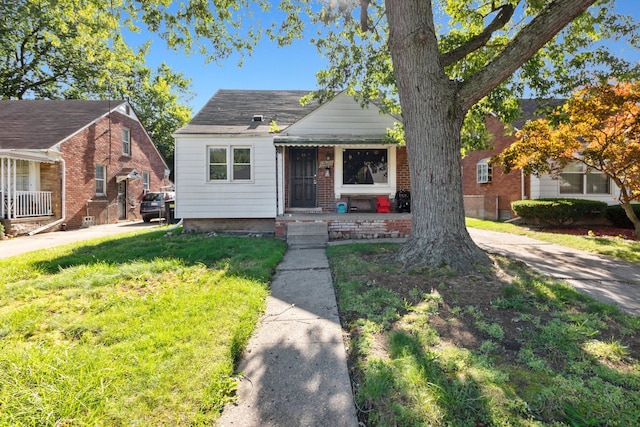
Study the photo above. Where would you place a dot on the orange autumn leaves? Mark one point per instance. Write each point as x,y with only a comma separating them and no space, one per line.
599,126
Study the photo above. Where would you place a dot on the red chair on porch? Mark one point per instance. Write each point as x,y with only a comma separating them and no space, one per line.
383,205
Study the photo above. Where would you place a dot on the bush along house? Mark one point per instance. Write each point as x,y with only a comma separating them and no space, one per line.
73,163
260,160
488,192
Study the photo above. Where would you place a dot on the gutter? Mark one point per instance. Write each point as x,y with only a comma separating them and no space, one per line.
64,199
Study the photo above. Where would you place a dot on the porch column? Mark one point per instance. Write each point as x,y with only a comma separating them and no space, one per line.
7,187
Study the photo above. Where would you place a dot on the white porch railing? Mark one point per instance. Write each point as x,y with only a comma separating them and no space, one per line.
23,204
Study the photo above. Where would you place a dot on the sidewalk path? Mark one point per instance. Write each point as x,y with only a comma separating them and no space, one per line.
294,368
23,244
605,279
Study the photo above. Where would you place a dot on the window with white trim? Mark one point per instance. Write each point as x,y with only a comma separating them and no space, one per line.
101,180
146,180
365,166
126,141
232,164
22,175
484,171
574,179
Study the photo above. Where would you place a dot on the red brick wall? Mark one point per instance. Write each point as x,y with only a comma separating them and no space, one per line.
94,146
353,226
403,181
506,186
326,190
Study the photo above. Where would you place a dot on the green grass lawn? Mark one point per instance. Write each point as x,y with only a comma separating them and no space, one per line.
509,347
136,330
618,248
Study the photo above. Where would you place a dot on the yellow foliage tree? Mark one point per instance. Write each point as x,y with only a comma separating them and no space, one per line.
599,126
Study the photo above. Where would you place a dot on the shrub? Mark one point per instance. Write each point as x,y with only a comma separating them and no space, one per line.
618,216
1,230
559,211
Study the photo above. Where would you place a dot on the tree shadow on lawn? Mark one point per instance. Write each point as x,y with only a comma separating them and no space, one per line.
538,350
253,257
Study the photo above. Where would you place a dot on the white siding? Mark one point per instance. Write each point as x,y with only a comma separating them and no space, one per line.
196,197
343,116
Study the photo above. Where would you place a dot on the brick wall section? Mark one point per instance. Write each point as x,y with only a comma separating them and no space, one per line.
403,180
354,226
480,199
326,188
93,146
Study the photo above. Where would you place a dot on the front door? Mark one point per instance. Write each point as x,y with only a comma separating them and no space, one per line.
122,199
303,181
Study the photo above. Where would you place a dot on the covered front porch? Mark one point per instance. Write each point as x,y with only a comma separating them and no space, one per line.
30,191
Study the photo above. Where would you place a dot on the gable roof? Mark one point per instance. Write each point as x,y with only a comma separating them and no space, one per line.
530,109
41,124
232,111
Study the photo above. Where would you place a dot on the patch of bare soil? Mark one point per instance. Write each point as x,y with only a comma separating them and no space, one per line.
469,298
593,231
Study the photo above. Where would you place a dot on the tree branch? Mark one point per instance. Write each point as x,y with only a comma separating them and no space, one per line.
480,40
549,22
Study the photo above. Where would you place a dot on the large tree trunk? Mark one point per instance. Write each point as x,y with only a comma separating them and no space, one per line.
432,118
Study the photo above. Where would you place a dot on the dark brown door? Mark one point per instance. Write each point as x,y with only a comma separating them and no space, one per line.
304,169
122,199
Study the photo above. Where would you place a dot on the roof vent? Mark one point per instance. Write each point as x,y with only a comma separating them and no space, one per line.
258,118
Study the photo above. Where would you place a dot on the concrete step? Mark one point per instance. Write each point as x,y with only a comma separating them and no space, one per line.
307,233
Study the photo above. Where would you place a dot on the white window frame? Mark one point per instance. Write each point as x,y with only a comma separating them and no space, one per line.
484,171
230,163
579,169
126,141
146,181
376,188
101,180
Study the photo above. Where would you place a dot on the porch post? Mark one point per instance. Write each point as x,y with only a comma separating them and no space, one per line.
280,180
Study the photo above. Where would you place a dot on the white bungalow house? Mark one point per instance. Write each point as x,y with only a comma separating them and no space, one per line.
254,160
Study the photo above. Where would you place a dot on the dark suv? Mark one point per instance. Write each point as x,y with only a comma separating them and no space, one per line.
153,205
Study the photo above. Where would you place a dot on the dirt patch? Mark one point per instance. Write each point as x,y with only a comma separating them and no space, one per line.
606,231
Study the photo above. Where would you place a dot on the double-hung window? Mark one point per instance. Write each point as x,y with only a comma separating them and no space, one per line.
230,163
101,180
126,142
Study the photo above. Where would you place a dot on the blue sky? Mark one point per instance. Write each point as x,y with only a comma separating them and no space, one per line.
273,67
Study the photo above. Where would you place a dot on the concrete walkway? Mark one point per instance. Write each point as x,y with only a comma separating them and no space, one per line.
605,279
294,368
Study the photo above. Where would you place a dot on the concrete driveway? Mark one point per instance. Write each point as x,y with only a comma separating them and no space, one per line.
22,244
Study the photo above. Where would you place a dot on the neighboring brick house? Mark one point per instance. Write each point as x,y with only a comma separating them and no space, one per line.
488,191
73,163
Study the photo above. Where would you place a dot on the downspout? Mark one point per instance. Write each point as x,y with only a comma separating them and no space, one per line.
63,200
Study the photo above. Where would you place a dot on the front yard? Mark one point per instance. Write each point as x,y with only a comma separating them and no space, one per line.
141,330
508,347
145,329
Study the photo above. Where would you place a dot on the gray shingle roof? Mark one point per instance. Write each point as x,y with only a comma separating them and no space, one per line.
530,109
232,111
41,124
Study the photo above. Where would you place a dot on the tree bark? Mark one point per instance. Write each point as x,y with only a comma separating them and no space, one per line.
432,118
